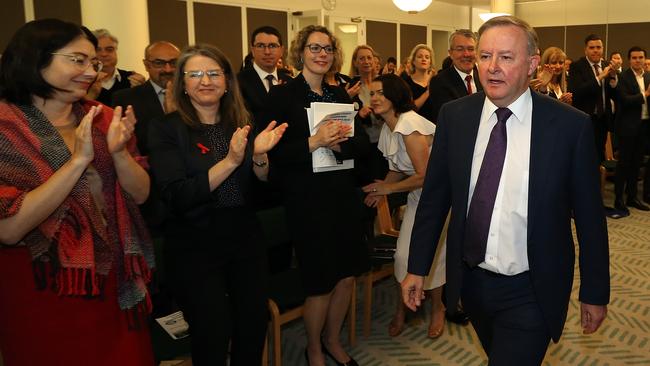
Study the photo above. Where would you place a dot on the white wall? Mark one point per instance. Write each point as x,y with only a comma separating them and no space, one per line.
579,12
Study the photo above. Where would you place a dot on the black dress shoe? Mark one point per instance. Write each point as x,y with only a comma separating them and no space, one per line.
352,362
646,199
459,317
637,204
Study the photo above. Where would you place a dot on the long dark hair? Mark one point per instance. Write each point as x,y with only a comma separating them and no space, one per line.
29,52
232,110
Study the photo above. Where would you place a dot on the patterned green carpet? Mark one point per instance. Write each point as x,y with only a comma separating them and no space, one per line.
624,338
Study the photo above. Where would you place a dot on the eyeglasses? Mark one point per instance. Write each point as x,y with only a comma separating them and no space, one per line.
82,61
198,74
160,63
316,48
270,46
463,49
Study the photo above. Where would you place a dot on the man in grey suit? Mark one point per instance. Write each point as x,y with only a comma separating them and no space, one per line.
514,167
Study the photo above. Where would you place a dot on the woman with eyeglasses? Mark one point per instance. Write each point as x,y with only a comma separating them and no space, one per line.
74,251
203,159
323,209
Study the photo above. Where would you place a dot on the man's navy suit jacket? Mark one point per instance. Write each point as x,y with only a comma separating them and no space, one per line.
563,182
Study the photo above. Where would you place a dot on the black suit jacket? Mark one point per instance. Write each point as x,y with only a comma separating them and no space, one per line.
563,181
586,90
446,86
254,92
629,100
146,106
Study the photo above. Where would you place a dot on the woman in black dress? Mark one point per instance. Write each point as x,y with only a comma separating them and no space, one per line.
420,72
203,162
323,209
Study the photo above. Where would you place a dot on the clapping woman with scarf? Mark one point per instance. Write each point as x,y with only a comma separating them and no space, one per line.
70,182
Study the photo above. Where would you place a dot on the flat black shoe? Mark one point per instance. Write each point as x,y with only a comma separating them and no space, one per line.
638,205
459,317
646,199
352,362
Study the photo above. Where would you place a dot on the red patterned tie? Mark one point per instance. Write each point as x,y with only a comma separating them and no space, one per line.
479,215
468,79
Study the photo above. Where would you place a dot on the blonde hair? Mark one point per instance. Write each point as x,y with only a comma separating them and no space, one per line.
555,52
415,50
353,68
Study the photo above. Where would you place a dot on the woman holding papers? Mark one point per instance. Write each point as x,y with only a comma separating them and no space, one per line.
405,141
323,209
204,160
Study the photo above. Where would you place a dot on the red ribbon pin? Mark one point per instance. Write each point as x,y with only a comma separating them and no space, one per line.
204,149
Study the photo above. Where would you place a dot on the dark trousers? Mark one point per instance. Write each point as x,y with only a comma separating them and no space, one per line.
646,179
630,157
599,122
223,298
506,316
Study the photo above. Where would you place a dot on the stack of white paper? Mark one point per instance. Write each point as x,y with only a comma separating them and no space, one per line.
323,159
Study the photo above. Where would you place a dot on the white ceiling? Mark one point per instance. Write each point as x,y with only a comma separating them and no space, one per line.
485,3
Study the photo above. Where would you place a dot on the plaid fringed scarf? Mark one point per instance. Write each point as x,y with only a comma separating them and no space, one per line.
81,245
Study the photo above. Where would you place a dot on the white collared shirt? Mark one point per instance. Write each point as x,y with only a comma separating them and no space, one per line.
464,75
263,74
507,251
109,82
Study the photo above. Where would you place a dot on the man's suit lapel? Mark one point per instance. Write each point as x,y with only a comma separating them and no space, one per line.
544,132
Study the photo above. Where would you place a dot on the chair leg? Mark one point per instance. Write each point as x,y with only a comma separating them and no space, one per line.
367,304
352,315
265,353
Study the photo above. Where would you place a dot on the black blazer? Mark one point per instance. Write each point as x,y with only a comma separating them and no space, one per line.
446,86
180,170
629,100
146,106
254,92
563,181
586,90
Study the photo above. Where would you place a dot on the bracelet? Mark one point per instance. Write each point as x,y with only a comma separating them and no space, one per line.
260,164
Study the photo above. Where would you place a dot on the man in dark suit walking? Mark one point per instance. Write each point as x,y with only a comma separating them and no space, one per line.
459,80
513,166
256,81
591,82
153,98
632,94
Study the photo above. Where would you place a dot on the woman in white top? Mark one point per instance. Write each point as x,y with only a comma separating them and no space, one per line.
551,78
405,141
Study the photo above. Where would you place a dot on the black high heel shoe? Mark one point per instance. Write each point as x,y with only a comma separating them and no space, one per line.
352,362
